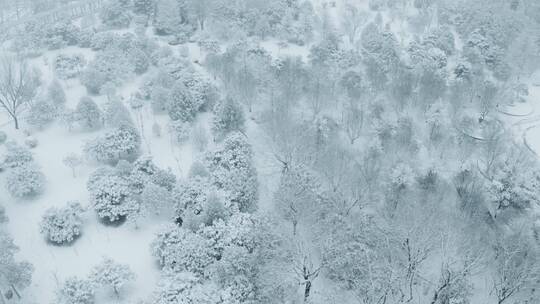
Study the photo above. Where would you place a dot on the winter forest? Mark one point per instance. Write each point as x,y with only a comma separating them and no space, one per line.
269,151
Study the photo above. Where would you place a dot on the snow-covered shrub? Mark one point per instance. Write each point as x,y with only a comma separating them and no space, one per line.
62,225
179,130
76,291
16,155
121,143
56,94
25,180
157,199
41,113
231,168
110,65
228,117
182,106
190,196
182,250
141,173
116,114
31,142
88,114
140,60
86,36
164,178
102,40
116,14
93,79
109,273
112,198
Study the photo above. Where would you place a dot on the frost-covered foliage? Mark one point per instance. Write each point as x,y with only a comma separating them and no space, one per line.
88,114
157,199
69,66
41,113
16,155
180,250
231,168
120,143
15,274
111,197
116,14
182,106
116,114
62,225
40,34
228,117
184,287
190,199
25,181
110,274
76,291
119,57
56,94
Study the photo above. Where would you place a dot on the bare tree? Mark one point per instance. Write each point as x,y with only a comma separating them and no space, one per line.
352,21
305,270
516,269
18,84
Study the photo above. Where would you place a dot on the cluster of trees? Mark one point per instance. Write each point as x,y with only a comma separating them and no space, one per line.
23,177
15,274
108,274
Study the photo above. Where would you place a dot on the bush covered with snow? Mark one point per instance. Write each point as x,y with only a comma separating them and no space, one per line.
17,155
228,117
25,180
111,274
111,197
88,114
120,143
76,291
62,225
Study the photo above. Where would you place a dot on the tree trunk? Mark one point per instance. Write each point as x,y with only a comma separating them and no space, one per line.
307,290
16,292
16,120
295,224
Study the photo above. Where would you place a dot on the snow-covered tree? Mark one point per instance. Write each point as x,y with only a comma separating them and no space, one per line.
231,168
117,114
16,155
182,106
72,161
69,66
228,117
157,199
88,114
25,181
41,113
56,94
76,291
15,275
62,225
109,273
111,197
120,143
116,14
180,249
